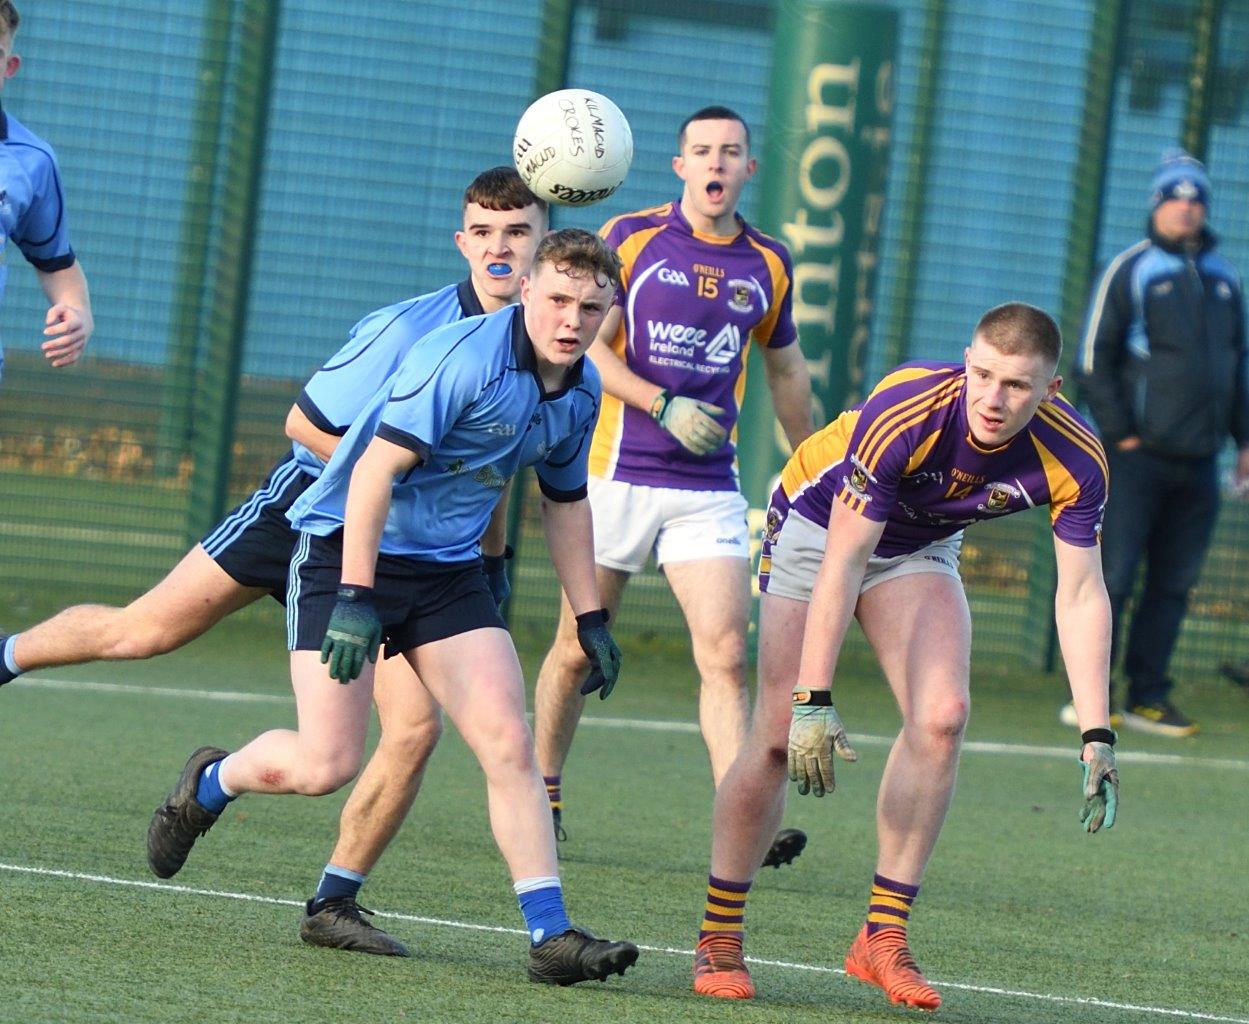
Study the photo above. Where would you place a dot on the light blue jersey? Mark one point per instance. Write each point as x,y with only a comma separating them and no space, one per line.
339,391
469,402
32,208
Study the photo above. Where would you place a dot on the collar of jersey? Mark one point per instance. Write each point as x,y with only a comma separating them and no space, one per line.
522,349
703,236
469,302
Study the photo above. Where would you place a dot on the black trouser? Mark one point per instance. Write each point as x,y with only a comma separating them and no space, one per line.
1164,509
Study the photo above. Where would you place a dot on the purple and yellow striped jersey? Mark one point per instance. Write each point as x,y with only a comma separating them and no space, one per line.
691,303
906,457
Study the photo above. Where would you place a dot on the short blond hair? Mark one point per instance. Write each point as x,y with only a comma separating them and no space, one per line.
1017,328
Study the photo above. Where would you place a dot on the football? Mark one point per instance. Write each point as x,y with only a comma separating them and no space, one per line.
573,147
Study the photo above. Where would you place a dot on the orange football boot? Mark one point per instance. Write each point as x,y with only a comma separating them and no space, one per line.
720,968
885,960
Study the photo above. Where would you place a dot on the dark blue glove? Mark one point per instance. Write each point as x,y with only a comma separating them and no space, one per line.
354,633
602,651
495,568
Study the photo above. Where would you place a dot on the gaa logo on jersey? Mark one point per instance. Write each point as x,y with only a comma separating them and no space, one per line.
740,295
669,275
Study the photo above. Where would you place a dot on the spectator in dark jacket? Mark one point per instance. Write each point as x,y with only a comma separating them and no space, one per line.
1164,370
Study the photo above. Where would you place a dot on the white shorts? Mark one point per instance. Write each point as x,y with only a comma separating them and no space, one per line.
798,552
632,520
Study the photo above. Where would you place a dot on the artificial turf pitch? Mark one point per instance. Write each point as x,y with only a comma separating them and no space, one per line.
1021,914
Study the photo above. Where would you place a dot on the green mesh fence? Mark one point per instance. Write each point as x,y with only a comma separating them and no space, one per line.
242,190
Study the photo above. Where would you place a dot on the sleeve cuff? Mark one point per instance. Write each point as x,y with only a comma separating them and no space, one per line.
405,440
53,263
562,497
315,416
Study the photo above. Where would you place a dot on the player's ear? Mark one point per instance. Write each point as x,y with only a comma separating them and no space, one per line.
678,166
752,165
1054,385
461,243
10,68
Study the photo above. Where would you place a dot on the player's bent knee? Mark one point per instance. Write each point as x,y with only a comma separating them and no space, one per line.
408,746
327,776
511,751
942,724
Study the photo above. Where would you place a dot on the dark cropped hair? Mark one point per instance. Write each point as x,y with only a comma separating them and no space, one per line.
712,114
499,188
9,16
1016,328
577,252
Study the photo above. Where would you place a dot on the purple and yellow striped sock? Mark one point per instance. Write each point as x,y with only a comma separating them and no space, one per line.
552,792
890,905
725,912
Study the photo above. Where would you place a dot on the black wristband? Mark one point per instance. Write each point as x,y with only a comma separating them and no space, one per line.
589,620
1107,736
352,592
493,563
813,698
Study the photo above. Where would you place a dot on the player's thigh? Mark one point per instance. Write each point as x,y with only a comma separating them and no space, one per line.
195,595
714,595
919,626
782,622
333,717
476,678
405,708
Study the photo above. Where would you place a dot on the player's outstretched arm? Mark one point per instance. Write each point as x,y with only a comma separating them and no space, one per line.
816,731
789,381
1082,613
570,538
69,323
355,632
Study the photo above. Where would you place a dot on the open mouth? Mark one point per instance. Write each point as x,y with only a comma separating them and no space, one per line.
715,190
499,269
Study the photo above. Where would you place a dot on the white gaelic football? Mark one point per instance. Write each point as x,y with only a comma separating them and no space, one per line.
573,147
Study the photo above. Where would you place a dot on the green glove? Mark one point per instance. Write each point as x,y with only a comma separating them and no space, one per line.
815,731
354,633
1101,787
602,651
691,422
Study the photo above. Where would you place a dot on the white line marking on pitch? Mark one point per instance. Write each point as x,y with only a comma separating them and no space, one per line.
646,725
183,890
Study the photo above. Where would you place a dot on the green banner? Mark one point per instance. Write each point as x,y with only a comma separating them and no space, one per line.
823,193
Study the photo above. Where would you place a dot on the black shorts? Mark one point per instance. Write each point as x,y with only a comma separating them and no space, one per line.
418,601
255,542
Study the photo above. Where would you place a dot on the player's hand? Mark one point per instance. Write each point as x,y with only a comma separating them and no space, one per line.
495,568
354,633
1101,786
815,732
602,651
691,422
67,332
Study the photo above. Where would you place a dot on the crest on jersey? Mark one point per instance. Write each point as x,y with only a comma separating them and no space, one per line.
741,294
999,497
858,479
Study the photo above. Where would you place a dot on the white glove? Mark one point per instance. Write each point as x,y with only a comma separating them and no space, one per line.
814,733
690,421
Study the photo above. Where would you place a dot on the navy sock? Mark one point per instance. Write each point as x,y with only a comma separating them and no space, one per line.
337,882
9,669
542,903
211,794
